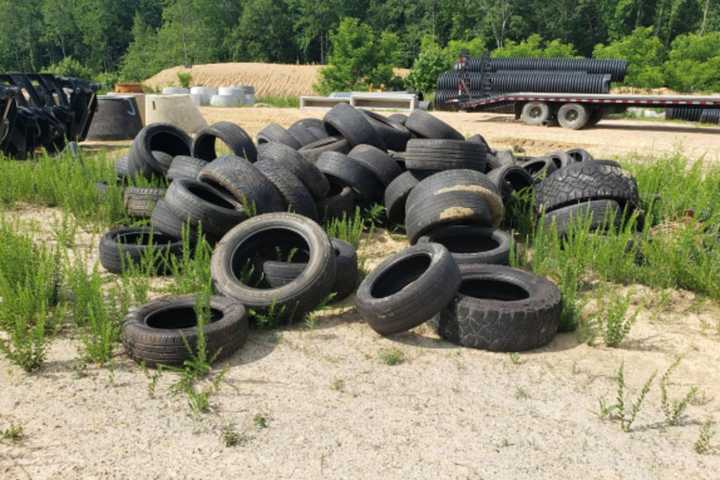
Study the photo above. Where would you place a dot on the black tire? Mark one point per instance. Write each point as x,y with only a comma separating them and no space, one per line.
596,116
451,208
232,135
340,203
560,159
124,247
579,155
279,274
477,138
396,195
304,133
276,133
240,180
433,154
315,126
397,118
460,181
344,171
585,181
164,159
203,207
312,151
293,161
573,116
394,136
610,163
408,288
499,159
380,163
296,196
348,122
425,125
535,113
140,202
165,220
501,309
509,179
540,168
471,245
599,214
294,300
177,322
185,167
160,137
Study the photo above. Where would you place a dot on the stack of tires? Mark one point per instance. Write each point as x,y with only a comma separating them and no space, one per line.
260,207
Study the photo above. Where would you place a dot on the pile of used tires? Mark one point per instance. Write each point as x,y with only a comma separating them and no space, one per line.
482,77
261,206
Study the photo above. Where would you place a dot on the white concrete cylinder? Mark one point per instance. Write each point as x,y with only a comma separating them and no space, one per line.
178,110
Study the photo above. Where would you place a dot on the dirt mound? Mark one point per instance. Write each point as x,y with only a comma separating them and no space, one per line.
269,79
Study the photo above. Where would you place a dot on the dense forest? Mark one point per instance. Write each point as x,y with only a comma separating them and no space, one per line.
133,39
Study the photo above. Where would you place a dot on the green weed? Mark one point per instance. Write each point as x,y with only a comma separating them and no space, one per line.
702,445
261,421
391,356
674,409
613,320
619,411
14,433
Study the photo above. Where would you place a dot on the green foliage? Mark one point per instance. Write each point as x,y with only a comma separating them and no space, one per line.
185,78
674,409
430,63
361,58
264,32
69,67
141,58
645,53
619,411
535,46
694,62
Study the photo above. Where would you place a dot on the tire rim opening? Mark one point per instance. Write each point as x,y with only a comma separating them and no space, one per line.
175,318
468,243
144,238
209,196
169,143
489,289
400,275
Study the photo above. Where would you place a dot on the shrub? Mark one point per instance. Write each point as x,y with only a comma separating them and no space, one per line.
645,54
69,67
535,46
428,66
693,63
360,58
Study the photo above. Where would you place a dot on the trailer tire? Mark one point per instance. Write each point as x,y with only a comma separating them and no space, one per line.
573,116
535,113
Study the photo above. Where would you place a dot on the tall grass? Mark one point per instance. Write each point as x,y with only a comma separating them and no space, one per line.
279,101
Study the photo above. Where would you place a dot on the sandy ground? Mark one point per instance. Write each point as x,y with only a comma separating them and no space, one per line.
269,79
331,408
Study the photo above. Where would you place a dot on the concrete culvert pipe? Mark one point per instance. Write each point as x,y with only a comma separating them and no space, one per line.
175,91
226,101
177,110
117,118
201,95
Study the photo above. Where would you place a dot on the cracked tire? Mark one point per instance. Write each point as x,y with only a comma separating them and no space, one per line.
231,135
501,309
452,208
408,288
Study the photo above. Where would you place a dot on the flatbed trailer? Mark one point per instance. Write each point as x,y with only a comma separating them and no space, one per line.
576,110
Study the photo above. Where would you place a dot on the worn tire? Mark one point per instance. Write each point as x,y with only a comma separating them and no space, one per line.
394,136
597,212
451,208
144,342
294,300
501,309
472,245
380,163
203,207
160,137
396,195
425,125
293,161
296,196
312,151
535,113
275,133
499,159
239,179
585,181
140,202
461,181
579,155
540,168
348,122
560,158
509,179
165,220
439,155
344,171
231,135
123,247
573,116
306,131
185,167
340,203
408,288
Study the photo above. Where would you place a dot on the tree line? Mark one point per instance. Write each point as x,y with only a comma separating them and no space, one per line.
133,39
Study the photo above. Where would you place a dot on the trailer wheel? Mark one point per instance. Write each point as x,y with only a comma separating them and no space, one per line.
535,113
595,116
573,116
